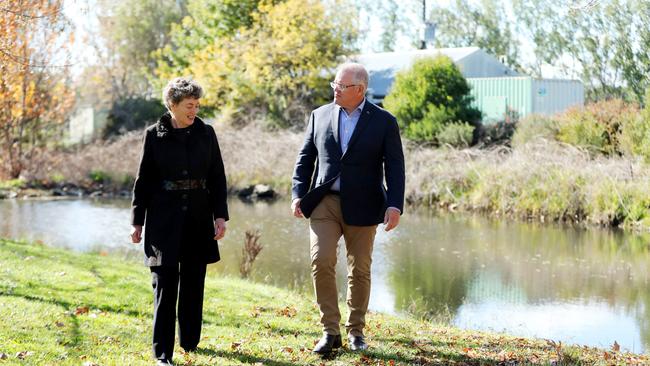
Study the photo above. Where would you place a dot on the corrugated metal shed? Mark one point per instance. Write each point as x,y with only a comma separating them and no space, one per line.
524,95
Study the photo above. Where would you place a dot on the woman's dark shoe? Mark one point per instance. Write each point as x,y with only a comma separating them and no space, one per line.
357,343
327,344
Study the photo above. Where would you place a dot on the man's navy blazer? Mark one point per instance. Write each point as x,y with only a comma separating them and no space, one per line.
374,154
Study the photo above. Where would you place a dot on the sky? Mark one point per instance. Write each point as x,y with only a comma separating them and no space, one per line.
83,18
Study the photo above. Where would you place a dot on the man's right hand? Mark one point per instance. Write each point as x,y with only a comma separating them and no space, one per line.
295,208
136,234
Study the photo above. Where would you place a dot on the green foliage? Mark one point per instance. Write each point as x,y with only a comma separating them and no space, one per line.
430,125
634,135
604,38
476,24
620,204
99,176
12,183
277,61
131,114
456,134
127,181
597,125
429,95
534,127
57,178
131,31
206,22
612,127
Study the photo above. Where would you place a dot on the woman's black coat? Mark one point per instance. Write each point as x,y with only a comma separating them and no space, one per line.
173,216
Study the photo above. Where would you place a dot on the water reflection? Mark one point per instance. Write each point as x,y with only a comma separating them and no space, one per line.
578,286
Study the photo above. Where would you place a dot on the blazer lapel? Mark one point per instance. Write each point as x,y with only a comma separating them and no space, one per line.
335,124
364,119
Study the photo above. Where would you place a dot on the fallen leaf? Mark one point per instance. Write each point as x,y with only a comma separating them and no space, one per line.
606,355
60,324
235,346
22,355
287,349
288,311
81,310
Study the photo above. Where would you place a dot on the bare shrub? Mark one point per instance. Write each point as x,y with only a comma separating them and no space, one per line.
252,247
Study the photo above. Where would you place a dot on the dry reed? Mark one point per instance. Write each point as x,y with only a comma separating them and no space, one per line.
252,247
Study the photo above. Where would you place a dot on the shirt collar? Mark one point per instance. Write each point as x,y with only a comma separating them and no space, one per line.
359,108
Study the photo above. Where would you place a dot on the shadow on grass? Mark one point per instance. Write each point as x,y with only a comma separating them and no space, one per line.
71,307
242,357
407,342
431,353
296,332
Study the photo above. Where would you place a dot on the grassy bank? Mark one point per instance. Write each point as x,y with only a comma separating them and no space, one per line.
540,180
63,308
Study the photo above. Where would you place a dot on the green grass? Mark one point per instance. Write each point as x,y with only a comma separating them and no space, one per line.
63,308
12,184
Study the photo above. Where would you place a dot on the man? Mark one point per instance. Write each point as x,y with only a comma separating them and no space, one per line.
351,146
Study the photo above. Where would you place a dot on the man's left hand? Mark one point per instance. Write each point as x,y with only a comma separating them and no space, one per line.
391,218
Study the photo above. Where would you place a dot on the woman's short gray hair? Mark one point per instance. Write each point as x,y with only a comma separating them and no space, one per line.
180,88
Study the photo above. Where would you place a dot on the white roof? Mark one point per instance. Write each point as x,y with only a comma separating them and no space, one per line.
400,60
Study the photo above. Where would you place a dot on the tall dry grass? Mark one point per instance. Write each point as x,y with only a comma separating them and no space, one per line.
542,180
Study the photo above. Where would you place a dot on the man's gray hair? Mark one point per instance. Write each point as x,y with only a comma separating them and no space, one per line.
359,72
180,88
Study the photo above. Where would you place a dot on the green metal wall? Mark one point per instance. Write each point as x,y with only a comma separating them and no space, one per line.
493,96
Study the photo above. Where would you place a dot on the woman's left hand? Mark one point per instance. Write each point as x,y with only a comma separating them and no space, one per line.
219,229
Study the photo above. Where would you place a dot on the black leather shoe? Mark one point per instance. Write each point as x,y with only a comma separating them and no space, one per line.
327,344
357,343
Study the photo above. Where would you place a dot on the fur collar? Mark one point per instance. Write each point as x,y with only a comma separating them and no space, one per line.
164,125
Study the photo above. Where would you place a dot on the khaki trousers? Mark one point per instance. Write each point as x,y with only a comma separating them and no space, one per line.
326,228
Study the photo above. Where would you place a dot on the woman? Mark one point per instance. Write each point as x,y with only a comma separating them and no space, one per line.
181,191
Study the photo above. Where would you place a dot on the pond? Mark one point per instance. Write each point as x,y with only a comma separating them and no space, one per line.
549,281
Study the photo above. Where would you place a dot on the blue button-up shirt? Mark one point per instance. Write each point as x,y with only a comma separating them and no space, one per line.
347,123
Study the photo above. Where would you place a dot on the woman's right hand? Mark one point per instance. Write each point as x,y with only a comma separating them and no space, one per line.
136,234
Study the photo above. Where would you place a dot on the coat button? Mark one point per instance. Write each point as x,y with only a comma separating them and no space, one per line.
184,172
184,208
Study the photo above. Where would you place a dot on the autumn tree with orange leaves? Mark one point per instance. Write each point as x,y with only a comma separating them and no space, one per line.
35,93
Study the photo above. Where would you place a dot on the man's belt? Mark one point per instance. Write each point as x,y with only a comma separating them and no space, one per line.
183,184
